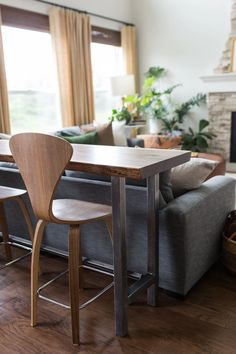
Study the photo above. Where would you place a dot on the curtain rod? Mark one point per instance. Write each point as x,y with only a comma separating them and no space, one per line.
85,12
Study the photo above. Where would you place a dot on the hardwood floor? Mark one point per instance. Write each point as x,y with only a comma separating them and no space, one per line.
205,322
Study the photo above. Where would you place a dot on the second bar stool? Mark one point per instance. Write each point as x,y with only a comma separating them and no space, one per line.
13,194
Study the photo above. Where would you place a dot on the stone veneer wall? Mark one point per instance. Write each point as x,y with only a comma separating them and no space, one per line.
225,61
220,107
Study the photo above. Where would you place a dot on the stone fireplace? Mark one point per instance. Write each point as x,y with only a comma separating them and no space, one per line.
221,105
221,88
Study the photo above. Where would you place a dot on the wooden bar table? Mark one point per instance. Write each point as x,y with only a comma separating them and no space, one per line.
121,163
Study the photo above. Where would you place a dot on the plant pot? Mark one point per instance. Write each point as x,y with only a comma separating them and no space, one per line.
154,125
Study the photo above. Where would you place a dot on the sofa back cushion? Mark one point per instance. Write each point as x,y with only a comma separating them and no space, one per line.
166,194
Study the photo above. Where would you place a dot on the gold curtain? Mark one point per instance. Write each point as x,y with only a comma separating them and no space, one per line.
4,108
71,37
129,46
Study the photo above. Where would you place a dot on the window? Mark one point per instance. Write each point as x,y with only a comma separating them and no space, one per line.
31,80
31,72
106,62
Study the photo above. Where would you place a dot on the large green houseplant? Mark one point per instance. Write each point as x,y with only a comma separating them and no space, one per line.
160,106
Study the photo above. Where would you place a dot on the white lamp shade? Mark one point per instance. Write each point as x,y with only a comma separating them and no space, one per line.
122,85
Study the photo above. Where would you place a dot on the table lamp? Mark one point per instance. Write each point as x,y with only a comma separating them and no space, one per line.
122,86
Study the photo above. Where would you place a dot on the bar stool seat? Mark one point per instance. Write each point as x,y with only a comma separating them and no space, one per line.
7,193
76,211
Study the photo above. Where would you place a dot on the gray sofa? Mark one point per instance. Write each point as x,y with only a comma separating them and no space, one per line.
190,227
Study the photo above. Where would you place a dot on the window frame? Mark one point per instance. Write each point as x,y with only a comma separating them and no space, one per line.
25,19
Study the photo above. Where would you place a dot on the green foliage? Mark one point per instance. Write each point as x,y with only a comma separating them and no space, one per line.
197,141
121,115
174,120
169,124
155,72
154,103
159,104
185,107
134,104
170,89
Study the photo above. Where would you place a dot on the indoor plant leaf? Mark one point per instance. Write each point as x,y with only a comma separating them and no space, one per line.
203,123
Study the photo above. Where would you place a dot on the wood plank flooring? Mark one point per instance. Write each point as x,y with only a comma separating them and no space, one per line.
205,322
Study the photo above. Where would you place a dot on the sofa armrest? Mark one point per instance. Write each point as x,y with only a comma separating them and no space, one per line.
220,189
191,226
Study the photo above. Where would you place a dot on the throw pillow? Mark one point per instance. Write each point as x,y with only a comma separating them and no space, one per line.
90,138
119,133
69,131
105,135
191,174
165,186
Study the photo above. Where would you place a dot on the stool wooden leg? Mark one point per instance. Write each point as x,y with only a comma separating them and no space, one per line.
74,251
5,234
35,269
26,216
81,273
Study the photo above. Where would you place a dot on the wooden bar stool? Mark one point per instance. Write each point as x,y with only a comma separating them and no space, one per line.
41,160
7,193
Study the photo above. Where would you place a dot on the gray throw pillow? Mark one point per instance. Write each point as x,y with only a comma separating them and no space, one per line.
69,131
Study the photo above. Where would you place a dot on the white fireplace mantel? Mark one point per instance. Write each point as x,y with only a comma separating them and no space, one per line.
220,82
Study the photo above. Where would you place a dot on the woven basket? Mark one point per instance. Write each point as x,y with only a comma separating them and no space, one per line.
229,252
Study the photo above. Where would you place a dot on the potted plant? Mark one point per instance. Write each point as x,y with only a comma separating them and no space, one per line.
121,115
197,141
158,107
173,121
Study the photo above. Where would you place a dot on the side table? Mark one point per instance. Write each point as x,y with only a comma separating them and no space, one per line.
220,168
158,141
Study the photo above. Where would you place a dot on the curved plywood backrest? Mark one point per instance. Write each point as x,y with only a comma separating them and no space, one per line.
41,160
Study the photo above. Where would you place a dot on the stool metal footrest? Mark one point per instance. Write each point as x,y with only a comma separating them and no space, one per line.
82,306
17,245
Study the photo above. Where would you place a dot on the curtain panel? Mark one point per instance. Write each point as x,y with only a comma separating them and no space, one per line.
4,107
129,46
71,37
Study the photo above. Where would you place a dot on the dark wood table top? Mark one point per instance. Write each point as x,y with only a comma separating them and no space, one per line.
136,163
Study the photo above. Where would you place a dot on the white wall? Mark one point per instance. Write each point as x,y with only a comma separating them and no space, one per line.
185,36
120,10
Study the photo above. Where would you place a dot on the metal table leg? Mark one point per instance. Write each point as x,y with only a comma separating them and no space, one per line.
153,237
119,251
